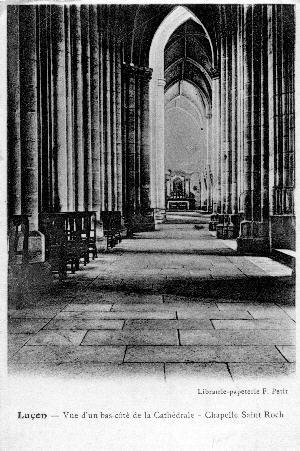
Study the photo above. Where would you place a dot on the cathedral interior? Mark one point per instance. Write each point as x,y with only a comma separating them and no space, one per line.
151,179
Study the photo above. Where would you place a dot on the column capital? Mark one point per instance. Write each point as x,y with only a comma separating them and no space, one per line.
130,68
161,82
214,73
145,73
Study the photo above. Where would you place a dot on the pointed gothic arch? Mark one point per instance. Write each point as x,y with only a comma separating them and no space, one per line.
177,17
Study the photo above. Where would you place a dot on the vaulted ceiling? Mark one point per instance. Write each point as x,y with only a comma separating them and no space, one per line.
187,69
188,57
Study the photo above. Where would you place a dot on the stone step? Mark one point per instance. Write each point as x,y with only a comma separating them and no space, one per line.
286,256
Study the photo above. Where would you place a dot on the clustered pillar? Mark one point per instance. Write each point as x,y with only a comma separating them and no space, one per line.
137,144
254,158
70,100
78,120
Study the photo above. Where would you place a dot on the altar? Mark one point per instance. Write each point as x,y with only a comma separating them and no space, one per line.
175,205
178,191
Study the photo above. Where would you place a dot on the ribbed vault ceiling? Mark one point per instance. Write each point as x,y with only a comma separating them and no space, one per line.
188,70
188,57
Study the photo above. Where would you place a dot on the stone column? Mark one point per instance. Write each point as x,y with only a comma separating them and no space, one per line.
101,107
256,114
208,158
138,142
247,111
28,114
228,126
223,77
146,74
281,57
244,244
124,100
77,105
46,109
240,110
234,112
131,141
254,234
95,114
119,148
69,113
114,126
95,119
158,165
13,112
59,109
233,227
218,146
86,101
222,174
29,129
108,140
215,147
264,131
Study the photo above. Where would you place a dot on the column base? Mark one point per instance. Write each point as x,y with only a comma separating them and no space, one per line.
253,238
227,226
283,232
159,215
99,236
36,247
212,226
234,226
143,222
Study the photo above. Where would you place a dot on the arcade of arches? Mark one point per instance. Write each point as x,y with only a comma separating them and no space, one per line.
137,110
84,134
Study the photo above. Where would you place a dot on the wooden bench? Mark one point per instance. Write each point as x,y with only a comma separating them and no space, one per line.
69,237
112,227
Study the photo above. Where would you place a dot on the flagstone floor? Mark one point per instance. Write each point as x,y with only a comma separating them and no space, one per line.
170,303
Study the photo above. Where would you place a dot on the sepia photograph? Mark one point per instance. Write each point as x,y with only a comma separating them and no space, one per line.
151,225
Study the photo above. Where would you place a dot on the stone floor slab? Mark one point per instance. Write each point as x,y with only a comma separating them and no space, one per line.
179,299
237,337
70,354
84,324
57,338
197,371
229,307
240,371
253,324
46,312
170,307
26,325
289,352
256,310
16,341
134,337
192,313
244,354
134,298
144,284
88,307
141,308
90,370
158,324
290,311
117,315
